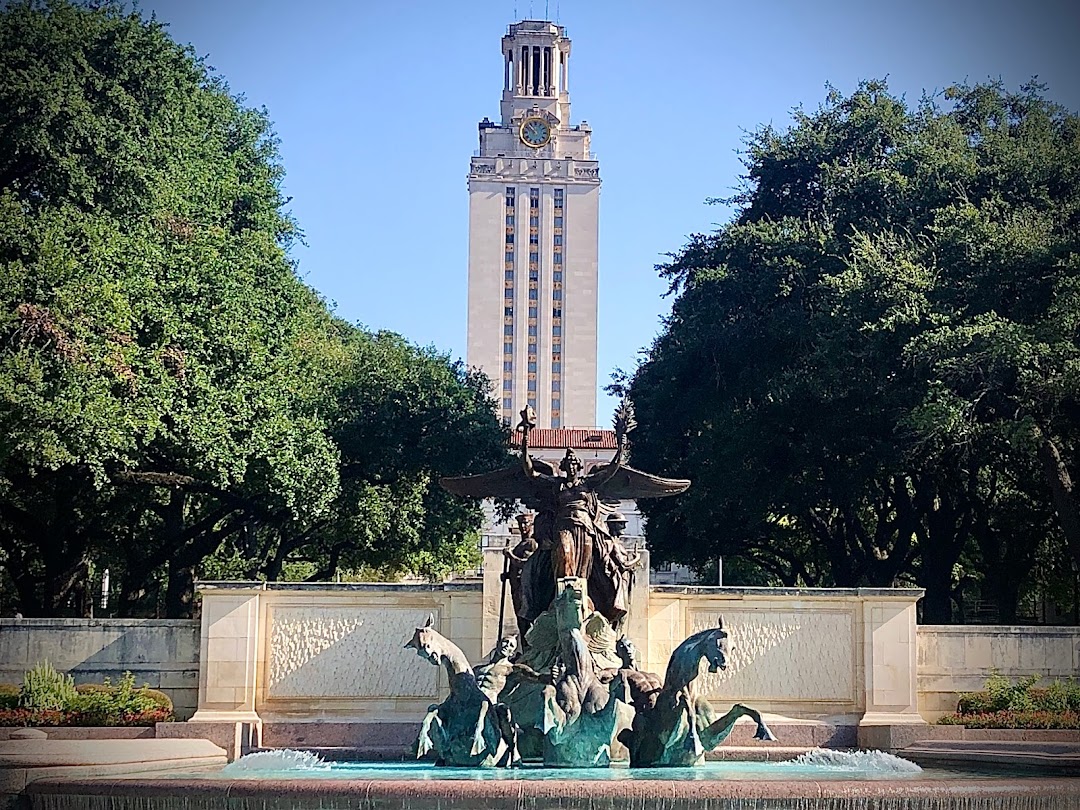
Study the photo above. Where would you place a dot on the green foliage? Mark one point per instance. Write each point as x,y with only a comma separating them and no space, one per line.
1004,704
43,688
1015,719
871,372
174,400
109,704
49,698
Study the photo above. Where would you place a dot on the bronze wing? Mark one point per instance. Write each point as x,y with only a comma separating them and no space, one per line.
628,483
509,482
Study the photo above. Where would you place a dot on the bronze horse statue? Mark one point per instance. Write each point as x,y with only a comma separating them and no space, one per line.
681,726
467,729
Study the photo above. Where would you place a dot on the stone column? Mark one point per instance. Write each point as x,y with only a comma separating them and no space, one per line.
891,718
228,659
493,588
637,619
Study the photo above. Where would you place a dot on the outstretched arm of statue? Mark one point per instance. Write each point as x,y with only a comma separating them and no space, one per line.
531,674
522,551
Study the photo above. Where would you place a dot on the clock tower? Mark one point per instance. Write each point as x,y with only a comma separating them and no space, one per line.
534,190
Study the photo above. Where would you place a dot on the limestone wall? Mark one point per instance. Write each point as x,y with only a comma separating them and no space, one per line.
161,652
958,658
280,652
848,654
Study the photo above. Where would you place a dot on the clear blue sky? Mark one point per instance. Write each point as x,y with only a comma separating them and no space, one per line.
376,105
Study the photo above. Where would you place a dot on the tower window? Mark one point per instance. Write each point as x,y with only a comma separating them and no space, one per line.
558,222
558,258
556,367
508,365
509,239
509,275
508,312
556,312
557,276
558,237
534,222
532,294
532,312
556,330
534,239
508,385
510,219
509,255
556,295
508,330
508,348
534,257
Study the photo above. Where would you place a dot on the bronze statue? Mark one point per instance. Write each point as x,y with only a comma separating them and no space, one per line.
468,728
491,675
681,726
521,570
573,510
582,713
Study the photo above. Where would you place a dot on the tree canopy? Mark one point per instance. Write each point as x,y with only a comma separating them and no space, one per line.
871,372
172,397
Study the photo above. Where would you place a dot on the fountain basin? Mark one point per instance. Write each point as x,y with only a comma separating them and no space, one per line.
204,793
821,779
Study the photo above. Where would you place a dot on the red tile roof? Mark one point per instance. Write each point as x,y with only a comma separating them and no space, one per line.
577,438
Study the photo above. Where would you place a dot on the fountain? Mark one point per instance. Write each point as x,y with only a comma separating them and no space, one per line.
570,697
566,691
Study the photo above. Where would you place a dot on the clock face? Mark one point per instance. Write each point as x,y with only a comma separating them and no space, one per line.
535,132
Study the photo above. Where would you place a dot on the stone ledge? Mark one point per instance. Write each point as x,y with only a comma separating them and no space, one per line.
907,594
512,794
1044,757
340,587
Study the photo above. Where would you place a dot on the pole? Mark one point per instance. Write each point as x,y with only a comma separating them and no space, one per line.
502,597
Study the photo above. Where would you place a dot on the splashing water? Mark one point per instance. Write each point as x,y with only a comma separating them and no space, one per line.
284,759
876,762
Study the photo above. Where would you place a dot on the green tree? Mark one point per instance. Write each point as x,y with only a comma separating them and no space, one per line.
169,390
835,365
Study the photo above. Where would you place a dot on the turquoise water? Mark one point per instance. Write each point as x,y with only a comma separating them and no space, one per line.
817,765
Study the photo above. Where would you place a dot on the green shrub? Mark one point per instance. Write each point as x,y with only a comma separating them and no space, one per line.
1015,720
9,696
43,688
107,705
1003,704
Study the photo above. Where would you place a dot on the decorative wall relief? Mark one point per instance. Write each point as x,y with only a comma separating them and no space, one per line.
345,653
808,655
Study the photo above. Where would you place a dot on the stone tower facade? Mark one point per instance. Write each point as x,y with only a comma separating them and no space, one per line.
534,192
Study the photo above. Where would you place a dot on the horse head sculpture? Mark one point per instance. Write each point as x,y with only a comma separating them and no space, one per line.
715,648
428,642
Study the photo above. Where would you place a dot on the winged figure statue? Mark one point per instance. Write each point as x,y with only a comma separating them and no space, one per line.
572,508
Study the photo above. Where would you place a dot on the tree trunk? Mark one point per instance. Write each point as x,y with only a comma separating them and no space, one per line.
180,594
937,604
1062,492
